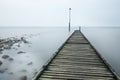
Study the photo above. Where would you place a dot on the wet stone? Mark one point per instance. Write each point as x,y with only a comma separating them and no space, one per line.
1,49
2,71
23,70
6,69
1,63
5,56
29,46
18,45
10,59
20,52
1,52
30,63
23,78
24,40
11,73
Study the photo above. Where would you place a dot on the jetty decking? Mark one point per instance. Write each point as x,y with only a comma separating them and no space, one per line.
76,60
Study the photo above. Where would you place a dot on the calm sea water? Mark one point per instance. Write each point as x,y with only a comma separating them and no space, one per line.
106,40
45,41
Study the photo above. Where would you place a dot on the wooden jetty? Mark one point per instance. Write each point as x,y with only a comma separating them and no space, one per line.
77,59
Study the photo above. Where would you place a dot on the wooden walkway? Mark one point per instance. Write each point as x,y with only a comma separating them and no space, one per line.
76,60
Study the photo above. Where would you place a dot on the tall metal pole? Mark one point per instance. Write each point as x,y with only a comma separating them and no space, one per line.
69,18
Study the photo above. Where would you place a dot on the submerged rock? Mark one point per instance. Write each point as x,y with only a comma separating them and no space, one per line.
2,71
24,40
29,46
11,59
1,52
20,52
1,49
23,70
30,63
1,63
11,73
23,78
5,56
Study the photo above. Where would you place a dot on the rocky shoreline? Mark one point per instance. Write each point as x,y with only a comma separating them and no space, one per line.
15,44
6,44
9,42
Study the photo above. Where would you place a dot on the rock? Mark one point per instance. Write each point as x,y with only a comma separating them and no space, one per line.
30,63
1,49
24,40
11,73
29,46
6,69
10,59
8,43
1,46
18,45
23,78
1,63
5,56
23,70
2,71
20,52
1,52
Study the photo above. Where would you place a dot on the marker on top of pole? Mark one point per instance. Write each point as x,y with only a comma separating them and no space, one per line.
69,18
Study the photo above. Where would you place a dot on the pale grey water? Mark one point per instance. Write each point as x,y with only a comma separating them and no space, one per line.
106,40
45,41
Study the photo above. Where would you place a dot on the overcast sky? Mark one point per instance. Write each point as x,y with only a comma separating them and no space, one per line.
55,12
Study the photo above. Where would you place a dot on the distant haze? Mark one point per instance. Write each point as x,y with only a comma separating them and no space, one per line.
55,12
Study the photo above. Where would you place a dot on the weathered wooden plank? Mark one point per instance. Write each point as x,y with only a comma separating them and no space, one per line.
77,62
80,51
49,79
82,64
74,77
80,73
79,57
78,68
77,65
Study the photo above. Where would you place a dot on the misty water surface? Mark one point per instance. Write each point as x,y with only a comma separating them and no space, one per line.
107,42
44,42
30,57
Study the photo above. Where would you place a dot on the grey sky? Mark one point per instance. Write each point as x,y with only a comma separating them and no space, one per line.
55,12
